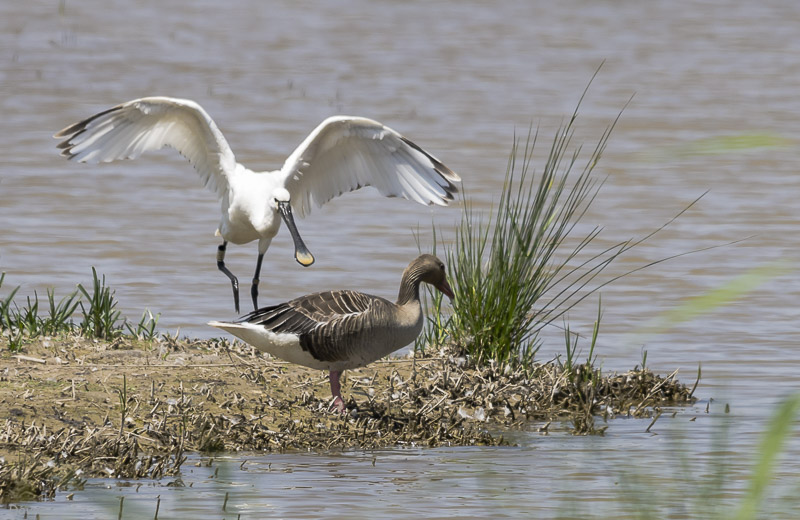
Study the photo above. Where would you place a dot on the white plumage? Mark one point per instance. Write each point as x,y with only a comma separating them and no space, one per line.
342,154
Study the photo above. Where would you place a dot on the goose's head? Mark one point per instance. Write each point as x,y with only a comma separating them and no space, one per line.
431,270
281,201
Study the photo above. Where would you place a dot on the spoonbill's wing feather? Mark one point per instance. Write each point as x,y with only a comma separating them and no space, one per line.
346,153
130,129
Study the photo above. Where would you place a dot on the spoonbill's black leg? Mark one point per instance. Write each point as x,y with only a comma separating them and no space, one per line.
234,280
254,287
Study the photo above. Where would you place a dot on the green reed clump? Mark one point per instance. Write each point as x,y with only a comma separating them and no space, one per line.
513,272
100,317
525,265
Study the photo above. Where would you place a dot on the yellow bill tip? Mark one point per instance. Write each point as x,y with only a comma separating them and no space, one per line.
304,259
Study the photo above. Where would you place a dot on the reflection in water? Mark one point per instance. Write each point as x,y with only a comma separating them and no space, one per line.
460,80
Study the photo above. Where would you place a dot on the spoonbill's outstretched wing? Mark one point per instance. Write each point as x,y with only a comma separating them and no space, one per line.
130,129
346,153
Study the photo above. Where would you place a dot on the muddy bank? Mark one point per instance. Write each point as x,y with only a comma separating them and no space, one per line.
75,408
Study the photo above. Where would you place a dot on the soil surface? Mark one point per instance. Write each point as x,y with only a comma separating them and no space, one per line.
72,408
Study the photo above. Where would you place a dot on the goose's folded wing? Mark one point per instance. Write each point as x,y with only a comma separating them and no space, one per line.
346,153
308,313
130,129
324,322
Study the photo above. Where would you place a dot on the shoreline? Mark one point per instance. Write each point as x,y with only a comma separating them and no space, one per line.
77,408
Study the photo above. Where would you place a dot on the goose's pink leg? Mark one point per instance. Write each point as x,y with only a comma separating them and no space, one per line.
336,391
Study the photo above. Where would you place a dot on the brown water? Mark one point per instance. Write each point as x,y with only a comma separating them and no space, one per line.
459,79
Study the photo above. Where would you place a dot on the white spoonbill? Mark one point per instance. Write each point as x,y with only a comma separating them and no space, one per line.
342,154
340,330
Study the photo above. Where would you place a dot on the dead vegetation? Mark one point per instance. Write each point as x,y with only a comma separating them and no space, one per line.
76,408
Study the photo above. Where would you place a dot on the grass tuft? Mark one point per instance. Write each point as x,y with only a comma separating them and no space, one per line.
145,330
59,319
100,317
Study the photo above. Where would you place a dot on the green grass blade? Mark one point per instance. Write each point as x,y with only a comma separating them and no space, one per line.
778,429
720,145
730,292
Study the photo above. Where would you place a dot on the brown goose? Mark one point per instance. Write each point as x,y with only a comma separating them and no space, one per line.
340,330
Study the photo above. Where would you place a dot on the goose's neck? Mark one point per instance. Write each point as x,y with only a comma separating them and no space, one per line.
409,286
